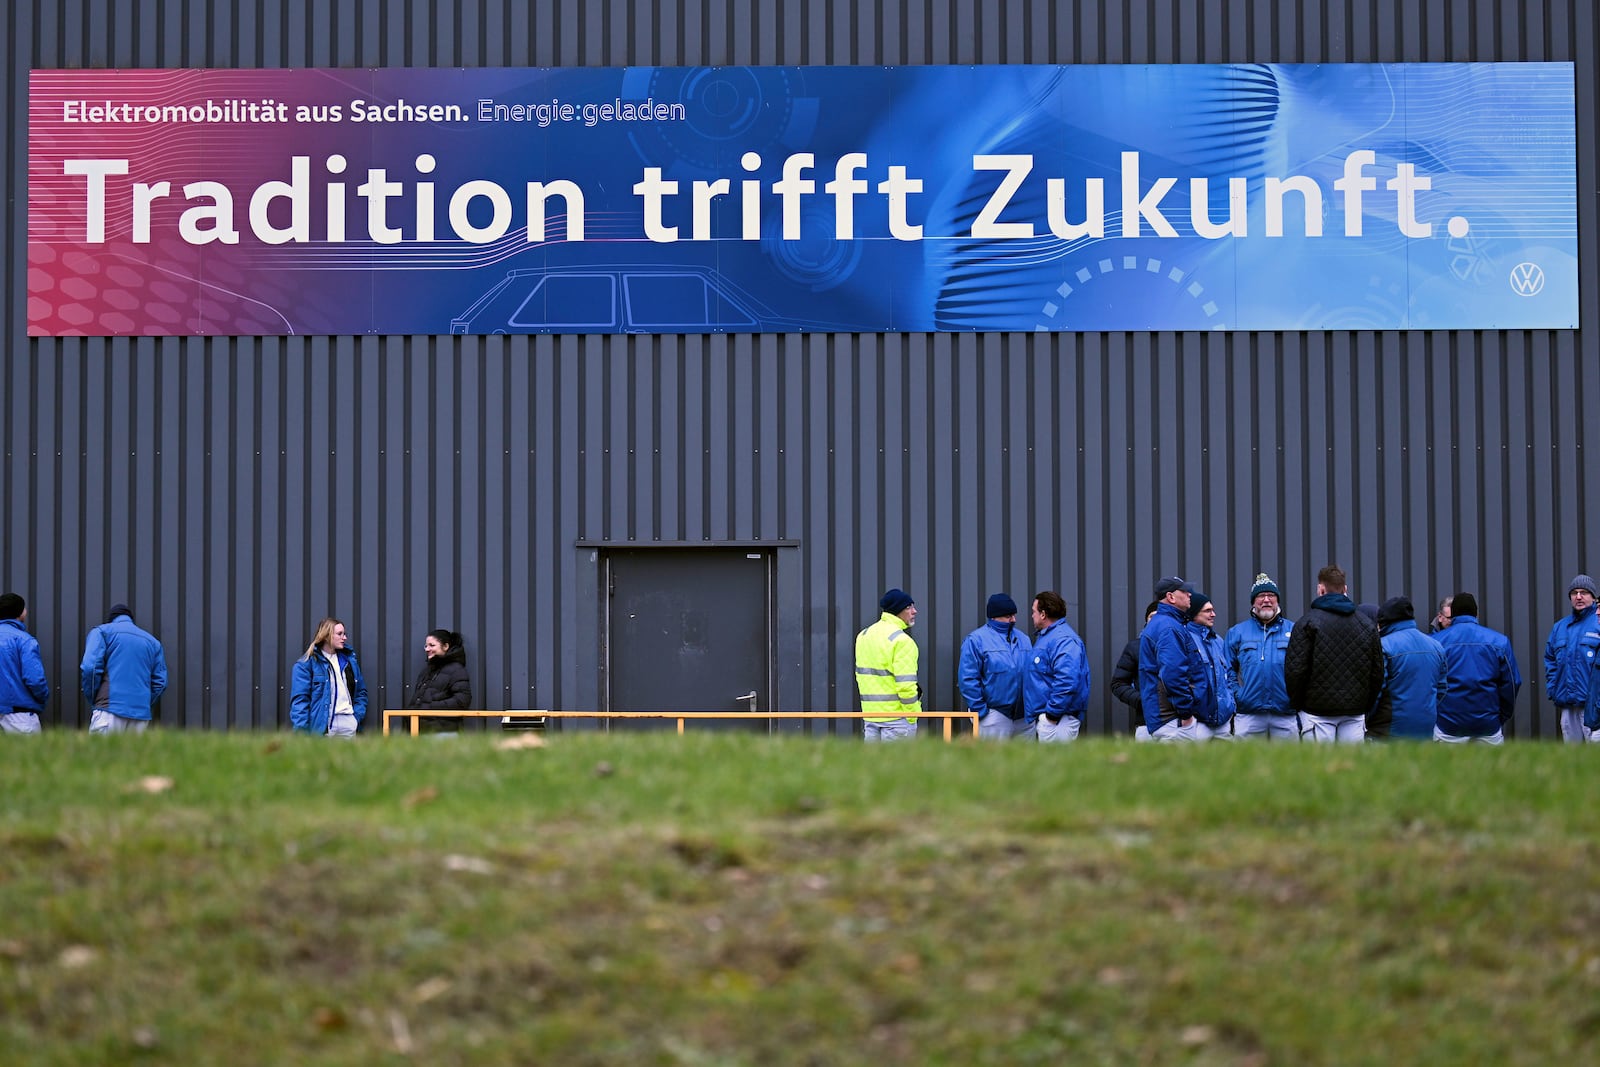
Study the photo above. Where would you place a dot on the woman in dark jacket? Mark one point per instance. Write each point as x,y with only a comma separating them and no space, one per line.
443,682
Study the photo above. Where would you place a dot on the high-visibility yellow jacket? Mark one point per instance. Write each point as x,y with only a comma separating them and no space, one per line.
886,670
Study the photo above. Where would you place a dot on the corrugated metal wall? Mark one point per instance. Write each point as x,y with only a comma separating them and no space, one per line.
220,488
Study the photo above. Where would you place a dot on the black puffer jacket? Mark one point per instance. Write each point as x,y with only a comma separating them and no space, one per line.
1125,684
443,683
1334,662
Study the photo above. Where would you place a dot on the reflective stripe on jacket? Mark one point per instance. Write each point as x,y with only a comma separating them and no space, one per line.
886,670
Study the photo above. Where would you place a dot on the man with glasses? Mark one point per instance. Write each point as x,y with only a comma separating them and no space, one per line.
1256,648
1216,712
1569,657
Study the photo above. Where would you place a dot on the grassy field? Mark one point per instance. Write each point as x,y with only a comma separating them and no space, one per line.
716,899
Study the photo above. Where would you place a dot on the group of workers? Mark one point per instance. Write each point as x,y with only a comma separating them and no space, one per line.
1342,672
1016,686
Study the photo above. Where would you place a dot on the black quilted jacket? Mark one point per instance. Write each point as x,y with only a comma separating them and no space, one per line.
1334,663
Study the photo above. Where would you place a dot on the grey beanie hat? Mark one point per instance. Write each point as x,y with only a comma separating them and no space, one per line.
1584,582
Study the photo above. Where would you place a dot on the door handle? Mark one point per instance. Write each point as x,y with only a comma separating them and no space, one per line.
750,699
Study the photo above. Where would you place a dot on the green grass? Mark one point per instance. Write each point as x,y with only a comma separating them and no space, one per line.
719,899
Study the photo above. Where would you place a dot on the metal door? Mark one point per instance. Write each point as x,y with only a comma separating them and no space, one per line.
689,630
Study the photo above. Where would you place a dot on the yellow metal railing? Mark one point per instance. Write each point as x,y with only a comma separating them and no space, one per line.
949,717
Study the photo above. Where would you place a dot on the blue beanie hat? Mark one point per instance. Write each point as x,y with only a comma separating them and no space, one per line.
1396,609
1001,605
1264,584
895,601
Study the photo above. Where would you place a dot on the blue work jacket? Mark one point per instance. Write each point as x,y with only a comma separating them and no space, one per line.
1481,679
1255,663
1218,703
1569,658
1413,684
312,695
22,682
124,670
1057,679
994,658
1172,673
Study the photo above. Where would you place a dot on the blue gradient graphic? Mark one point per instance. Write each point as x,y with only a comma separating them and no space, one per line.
1408,196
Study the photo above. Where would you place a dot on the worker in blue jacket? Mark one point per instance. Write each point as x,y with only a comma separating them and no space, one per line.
1256,649
994,658
1056,686
1413,676
1214,719
1569,658
1481,678
123,673
23,688
1172,674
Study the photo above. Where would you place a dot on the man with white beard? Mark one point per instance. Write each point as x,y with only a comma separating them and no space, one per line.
1255,649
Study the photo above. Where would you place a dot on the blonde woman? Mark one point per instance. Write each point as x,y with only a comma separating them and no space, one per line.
329,696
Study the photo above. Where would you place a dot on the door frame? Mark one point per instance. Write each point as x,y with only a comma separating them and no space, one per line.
769,555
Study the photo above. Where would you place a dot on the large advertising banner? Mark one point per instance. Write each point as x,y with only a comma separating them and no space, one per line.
779,199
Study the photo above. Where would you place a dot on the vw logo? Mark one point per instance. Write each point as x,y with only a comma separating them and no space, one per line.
1527,279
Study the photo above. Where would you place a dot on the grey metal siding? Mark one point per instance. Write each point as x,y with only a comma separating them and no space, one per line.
233,490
